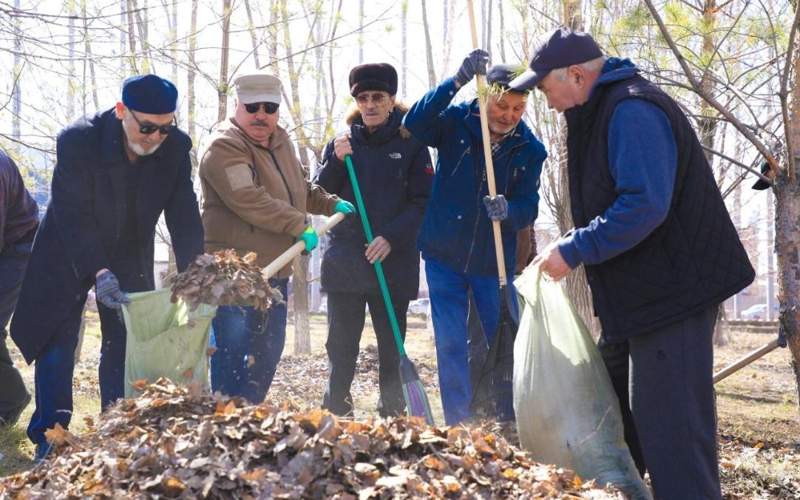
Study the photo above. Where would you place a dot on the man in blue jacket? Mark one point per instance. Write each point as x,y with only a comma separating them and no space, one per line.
456,235
658,246
115,173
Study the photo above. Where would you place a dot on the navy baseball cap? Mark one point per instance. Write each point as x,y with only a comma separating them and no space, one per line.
502,74
562,48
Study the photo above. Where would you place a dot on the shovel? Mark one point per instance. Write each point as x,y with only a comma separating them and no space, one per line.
416,400
498,369
297,248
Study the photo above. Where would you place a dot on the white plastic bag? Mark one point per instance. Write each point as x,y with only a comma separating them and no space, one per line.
165,340
566,408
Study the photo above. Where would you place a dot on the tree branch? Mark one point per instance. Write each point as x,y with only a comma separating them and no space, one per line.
784,94
709,98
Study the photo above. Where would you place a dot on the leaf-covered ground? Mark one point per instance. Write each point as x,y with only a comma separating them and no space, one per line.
757,407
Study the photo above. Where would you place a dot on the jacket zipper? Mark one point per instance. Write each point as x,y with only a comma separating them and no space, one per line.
480,185
283,178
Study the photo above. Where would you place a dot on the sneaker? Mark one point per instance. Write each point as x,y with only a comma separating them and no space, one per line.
12,417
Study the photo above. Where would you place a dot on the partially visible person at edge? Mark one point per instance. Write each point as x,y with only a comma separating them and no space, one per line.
19,218
456,236
256,198
115,173
394,173
659,250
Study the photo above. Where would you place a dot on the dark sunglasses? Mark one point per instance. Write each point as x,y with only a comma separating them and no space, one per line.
269,107
150,128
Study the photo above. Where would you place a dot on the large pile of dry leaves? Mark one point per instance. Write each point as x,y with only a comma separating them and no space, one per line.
176,442
224,278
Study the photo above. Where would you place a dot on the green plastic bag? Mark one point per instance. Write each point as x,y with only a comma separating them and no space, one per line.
165,340
567,411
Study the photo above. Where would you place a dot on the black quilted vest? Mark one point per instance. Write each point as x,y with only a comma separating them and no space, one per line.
694,260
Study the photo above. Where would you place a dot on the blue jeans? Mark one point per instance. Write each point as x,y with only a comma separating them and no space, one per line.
249,346
449,306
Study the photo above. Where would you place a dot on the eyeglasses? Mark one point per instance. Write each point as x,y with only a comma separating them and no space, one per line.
269,107
376,98
150,128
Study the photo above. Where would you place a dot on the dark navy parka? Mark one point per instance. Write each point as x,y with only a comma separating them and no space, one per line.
81,231
394,174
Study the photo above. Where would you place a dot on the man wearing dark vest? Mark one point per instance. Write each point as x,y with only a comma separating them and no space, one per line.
658,246
115,174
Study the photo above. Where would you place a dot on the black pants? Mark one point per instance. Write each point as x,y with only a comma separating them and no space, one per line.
346,317
666,394
13,395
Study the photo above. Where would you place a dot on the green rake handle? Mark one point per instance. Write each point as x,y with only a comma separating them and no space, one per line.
387,299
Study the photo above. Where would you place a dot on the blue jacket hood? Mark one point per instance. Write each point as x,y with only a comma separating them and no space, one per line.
614,70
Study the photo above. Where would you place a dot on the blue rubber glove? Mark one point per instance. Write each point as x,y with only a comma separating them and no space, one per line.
108,293
474,64
309,237
344,207
497,207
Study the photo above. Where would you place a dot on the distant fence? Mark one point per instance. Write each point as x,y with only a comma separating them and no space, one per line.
751,326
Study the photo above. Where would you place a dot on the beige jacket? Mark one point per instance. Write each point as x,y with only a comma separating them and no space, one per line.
254,201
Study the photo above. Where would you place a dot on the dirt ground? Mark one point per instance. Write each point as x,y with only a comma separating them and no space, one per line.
757,407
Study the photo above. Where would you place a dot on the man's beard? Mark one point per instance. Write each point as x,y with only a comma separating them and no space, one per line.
141,151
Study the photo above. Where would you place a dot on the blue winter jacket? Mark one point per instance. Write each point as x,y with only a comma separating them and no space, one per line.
456,230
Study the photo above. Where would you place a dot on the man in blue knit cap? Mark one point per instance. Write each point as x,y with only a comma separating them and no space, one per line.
115,173
659,250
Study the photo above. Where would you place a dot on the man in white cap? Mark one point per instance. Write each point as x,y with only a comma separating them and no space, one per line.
256,198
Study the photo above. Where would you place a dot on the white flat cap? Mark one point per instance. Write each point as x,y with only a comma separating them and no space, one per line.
257,87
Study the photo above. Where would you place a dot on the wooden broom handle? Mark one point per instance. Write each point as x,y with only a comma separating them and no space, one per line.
487,152
288,256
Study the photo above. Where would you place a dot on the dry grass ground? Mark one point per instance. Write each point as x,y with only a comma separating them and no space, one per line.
757,407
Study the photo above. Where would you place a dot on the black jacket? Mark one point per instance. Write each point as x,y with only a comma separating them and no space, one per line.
694,260
81,232
395,174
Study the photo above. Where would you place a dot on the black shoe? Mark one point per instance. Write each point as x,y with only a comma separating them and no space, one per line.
12,417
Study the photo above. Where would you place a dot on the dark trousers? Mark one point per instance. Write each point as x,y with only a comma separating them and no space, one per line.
249,346
673,407
56,364
346,317
13,395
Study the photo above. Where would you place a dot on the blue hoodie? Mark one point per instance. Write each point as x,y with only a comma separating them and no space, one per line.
643,161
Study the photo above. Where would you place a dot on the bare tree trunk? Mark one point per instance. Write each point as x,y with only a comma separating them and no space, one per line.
448,38
222,86
360,31
770,277
488,44
251,27
404,46
302,333
88,50
16,106
502,31
428,48
130,6
191,73
72,82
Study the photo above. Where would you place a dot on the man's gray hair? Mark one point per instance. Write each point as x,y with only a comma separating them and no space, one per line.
592,65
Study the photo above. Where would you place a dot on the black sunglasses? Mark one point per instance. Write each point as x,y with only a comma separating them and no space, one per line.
269,107
150,128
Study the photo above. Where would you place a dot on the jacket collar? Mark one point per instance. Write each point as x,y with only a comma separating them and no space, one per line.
277,139
382,134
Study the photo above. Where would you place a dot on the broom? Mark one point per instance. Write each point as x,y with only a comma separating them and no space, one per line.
413,392
499,364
